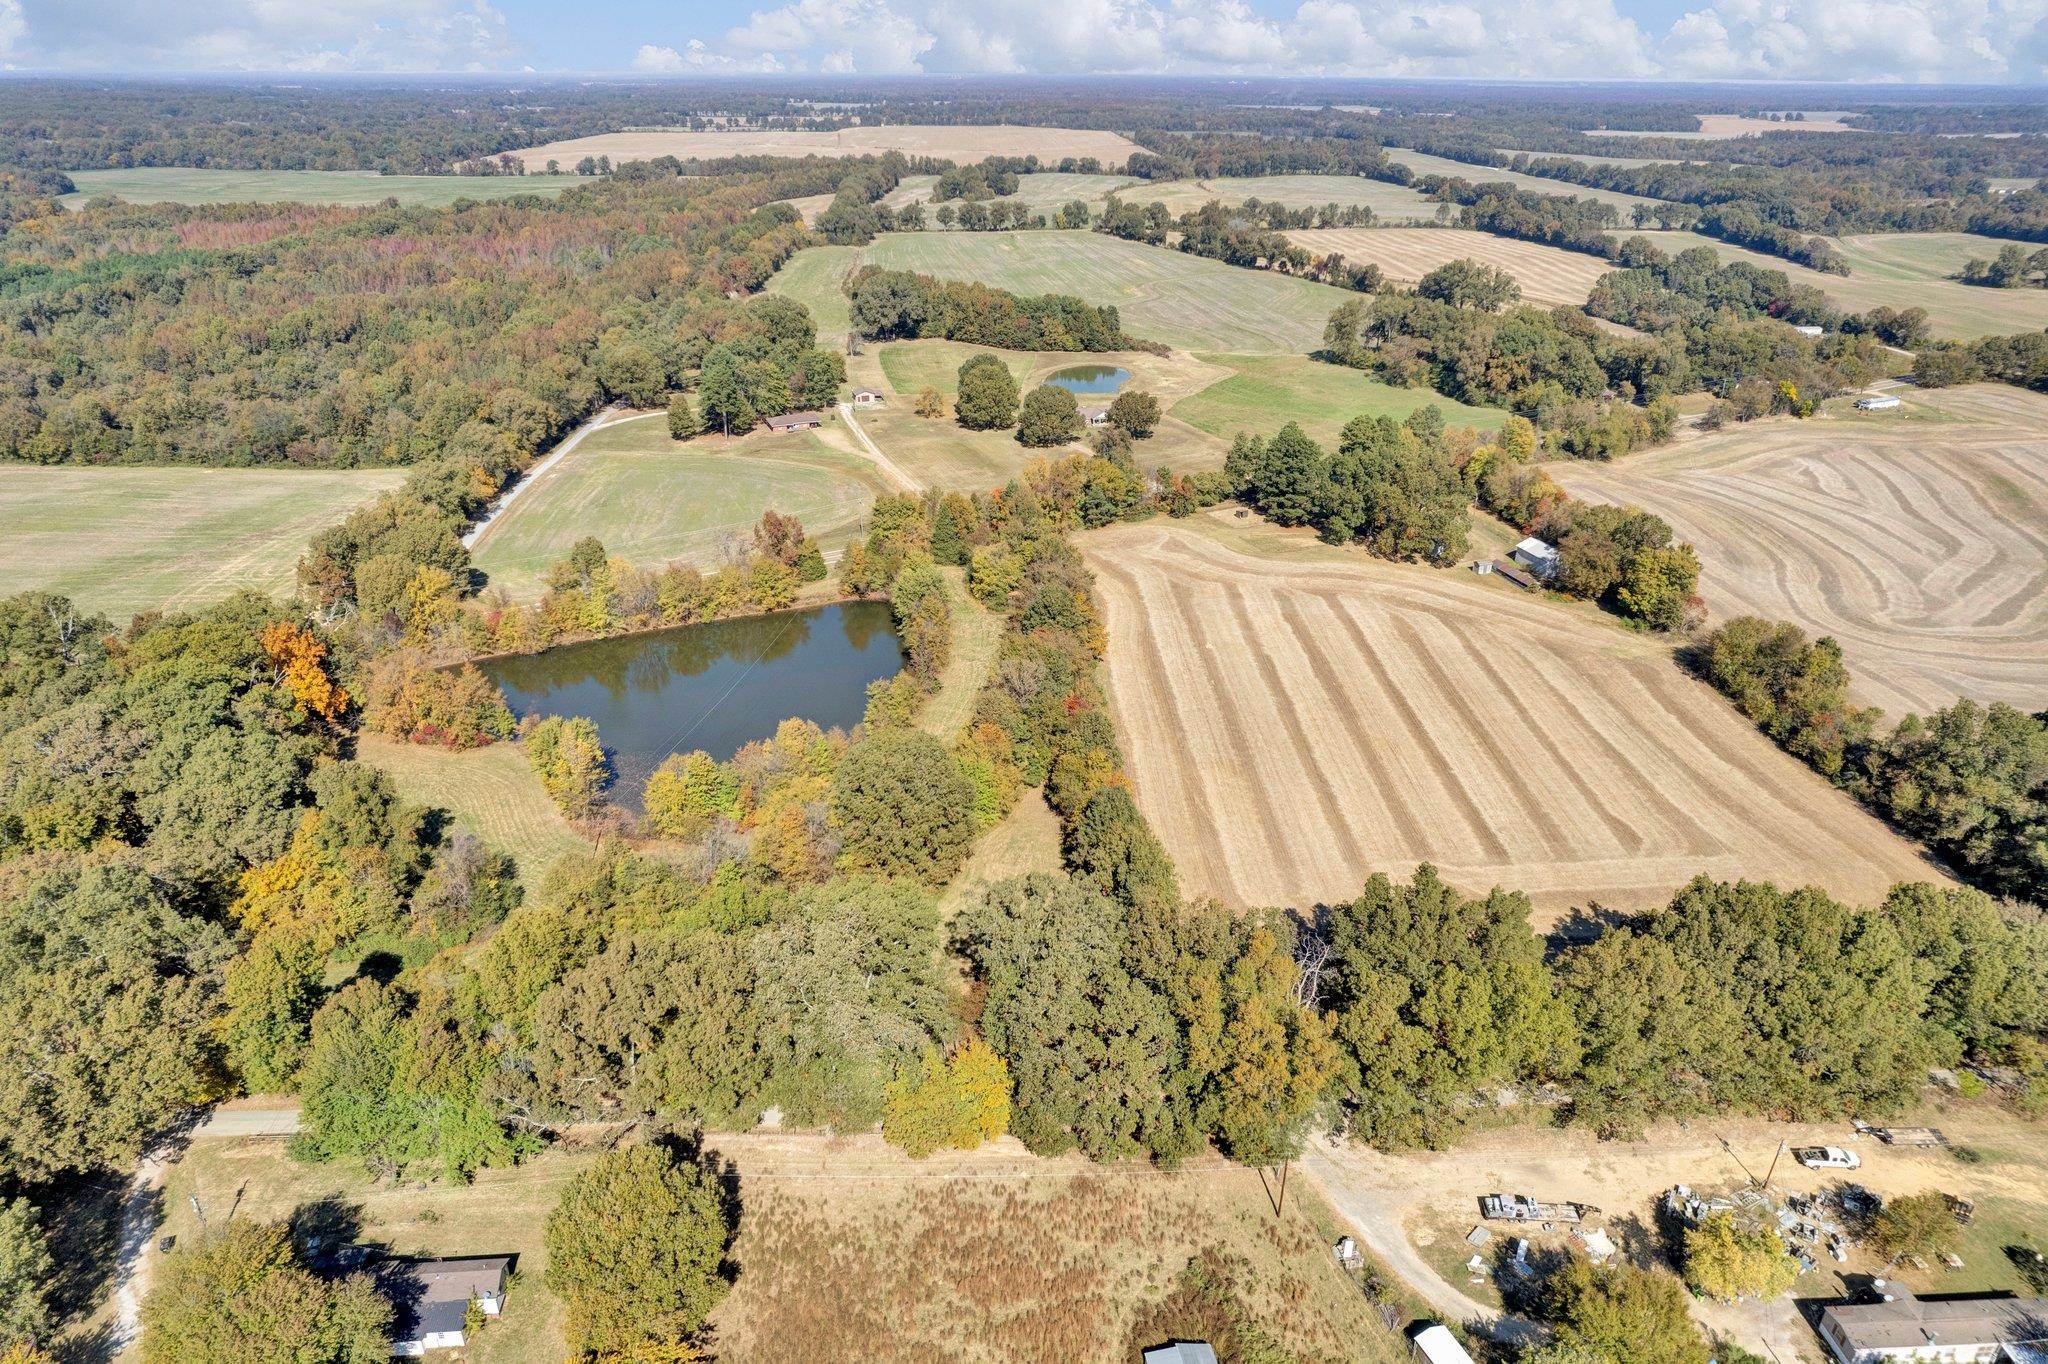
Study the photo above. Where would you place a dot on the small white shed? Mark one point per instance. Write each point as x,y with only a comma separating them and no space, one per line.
1538,556
1436,1344
1877,402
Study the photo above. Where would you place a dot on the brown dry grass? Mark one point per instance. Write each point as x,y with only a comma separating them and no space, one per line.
957,142
1922,546
1548,275
1295,724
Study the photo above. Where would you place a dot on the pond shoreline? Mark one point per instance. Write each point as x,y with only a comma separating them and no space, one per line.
798,603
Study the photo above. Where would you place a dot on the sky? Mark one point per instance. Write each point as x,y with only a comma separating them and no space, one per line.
1962,41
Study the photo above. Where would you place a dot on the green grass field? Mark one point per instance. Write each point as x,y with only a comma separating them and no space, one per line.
1904,270
1042,193
1389,203
1423,164
914,366
1266,392
491,792
813,278
1164,295
654,501
181,185
121,540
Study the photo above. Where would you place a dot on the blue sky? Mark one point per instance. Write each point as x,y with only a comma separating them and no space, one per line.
1825,40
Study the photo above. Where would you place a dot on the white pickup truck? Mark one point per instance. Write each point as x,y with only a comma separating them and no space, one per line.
1827,1158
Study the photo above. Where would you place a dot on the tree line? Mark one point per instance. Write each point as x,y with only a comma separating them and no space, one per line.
901,304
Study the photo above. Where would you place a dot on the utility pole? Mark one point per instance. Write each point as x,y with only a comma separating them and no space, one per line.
1772,1172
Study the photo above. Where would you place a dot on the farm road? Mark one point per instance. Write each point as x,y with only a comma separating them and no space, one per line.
890,469
611,416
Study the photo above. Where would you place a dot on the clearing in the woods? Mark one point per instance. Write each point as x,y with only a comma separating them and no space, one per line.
1297,721
1921,546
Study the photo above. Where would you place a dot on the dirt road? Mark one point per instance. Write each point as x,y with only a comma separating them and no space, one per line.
890,469
611,416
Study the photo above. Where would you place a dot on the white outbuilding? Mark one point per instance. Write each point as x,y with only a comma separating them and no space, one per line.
1538,556
1436,1344
1877,402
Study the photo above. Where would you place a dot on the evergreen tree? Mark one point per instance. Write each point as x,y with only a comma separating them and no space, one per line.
1288,480
683,421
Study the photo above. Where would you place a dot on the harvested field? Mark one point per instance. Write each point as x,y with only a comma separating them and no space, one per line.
1921,547
1904,270
1548,275
955,141
1163,295
815,277
1421,163
491,792
1394,203
1042,193
1265,392
653,500
182,185
1716,126
1294,724
120,540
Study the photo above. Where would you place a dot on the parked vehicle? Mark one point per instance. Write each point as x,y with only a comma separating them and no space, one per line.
1827,1158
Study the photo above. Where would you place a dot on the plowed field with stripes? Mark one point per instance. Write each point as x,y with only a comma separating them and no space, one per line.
1293,726
1549,275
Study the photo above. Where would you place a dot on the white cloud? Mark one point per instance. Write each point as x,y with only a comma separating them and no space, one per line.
256,35
1563,39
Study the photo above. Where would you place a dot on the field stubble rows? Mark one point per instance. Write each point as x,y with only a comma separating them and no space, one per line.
1295,726
1921,548
1548,275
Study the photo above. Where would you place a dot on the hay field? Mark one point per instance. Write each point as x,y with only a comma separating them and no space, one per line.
1714,127
182,185
1044,192
1903,270
1394,203
955,142
1921,547
1421,163
1295,724
1548,275
1265,392
122,540
815,278
1163,295
653,500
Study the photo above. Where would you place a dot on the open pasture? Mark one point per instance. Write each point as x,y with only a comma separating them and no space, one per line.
183,185
1548,275
1421,163
121,540
1922,547
1296,723
1904,270
490,792
1390,202
954,141
653,500
1265,392
1163,295
815,277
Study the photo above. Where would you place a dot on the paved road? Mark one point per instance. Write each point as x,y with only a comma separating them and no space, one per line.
890,469
1376,1220
611,416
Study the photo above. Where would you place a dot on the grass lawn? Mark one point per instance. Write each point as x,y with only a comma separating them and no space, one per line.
1164,295
121,540
1905,270
1267,391
977,631
812,277
1389,202
182,185
1421,163
911,367
1027,840
491,792
653,500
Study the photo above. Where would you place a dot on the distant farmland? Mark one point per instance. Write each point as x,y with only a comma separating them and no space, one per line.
1296,724
179,185
1905,270
1421,163
1165,295
1921,546
1548,275
1393,203
955,142
121,540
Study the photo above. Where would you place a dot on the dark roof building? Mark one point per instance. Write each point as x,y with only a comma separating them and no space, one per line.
1945,1331
430,1300
796,421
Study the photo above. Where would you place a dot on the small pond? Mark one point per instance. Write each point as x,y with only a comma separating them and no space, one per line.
716,686
1090,380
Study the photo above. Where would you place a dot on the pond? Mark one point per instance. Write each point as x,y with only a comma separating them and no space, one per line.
716,686
1090,380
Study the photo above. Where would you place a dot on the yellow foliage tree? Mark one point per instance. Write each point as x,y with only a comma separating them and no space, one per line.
957,1101
301,662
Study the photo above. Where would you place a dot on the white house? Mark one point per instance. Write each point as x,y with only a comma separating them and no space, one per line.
1095,415
1436,1344
431,1298
1907,1328
1876,402
1537,556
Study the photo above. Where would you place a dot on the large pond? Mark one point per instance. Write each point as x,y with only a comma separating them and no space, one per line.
716,686
1090,381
